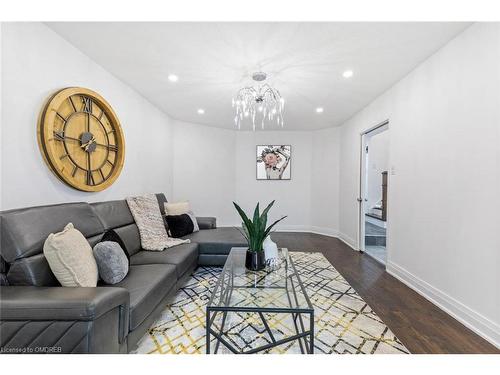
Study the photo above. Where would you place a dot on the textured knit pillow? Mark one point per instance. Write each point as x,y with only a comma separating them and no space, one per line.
111,262
70,258
180,225
177,208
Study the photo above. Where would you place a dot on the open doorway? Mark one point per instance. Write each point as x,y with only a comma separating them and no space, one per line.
373,197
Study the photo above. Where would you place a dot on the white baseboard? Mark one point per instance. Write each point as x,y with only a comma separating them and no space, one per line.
311,229
324,231
278,228
293,228
348,241
478,323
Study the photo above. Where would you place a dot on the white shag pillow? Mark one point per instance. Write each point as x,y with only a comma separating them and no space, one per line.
177,208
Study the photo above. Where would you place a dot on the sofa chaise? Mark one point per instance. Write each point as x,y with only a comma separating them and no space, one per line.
37,315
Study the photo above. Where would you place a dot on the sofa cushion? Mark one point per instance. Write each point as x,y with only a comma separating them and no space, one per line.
113,214
182,256
147,284
206,222
130,237
160,197
33,271
70,258
24,231
212,260
3,272
217,241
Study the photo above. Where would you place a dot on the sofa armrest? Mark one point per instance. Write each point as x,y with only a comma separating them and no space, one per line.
207,222
85,312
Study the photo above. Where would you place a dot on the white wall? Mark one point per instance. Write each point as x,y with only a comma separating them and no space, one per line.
35,63
444,121
214,167
203,172
292,196
325,181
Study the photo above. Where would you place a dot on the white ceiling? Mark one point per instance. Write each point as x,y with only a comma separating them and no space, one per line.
305,61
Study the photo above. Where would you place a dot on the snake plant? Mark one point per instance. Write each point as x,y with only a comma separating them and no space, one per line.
255,231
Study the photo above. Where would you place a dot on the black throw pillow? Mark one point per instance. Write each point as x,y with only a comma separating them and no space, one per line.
179,225
112,236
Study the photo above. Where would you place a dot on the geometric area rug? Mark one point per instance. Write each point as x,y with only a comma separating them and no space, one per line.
344,323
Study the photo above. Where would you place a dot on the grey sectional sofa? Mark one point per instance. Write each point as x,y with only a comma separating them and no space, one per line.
37,315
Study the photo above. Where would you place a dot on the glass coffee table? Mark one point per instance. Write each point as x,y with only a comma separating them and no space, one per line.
259,300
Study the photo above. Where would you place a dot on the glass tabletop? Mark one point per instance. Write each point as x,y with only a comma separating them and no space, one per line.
269,290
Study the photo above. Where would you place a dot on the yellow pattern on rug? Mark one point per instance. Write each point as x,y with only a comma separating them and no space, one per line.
344,323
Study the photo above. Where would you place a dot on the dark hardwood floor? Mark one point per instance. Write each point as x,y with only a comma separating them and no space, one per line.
421,326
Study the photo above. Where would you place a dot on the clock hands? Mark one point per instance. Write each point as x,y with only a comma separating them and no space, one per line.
87,145
59,136
90,178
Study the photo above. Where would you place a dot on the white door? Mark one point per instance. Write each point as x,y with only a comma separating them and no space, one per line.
363,181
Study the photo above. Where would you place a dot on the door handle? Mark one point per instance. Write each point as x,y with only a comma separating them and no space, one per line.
359,200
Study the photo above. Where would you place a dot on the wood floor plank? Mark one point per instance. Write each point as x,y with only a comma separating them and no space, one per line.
420,325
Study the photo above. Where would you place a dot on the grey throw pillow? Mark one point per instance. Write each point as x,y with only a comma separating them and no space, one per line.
111,262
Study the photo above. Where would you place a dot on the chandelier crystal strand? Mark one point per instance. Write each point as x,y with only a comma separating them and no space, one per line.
261,102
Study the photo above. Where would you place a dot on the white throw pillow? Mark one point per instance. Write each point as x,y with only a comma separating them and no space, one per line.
177,208
70,258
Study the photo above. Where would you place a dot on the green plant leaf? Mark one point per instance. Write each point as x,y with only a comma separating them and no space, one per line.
272,225
255,231
244,235
246,221
266,210
256,215
264,220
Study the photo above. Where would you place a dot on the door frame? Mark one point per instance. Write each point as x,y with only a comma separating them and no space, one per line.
364,136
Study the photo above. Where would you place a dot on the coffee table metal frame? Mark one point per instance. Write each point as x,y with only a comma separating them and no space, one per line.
304,335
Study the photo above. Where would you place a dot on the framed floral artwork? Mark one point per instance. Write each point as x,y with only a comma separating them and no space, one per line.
274,162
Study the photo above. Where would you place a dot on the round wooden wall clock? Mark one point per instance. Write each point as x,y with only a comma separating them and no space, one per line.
81,139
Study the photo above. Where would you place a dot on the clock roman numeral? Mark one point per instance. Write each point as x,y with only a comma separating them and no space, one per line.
72,104
61,117
110,162
113,148
75,169
102,174
87,104
90,178
58,136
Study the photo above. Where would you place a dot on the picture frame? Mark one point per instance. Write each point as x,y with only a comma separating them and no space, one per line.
274,162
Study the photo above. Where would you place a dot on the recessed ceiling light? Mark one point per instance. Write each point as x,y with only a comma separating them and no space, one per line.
173,78
201,111
319,110
348,74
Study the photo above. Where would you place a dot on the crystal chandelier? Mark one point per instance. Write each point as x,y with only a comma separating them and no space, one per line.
259,103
